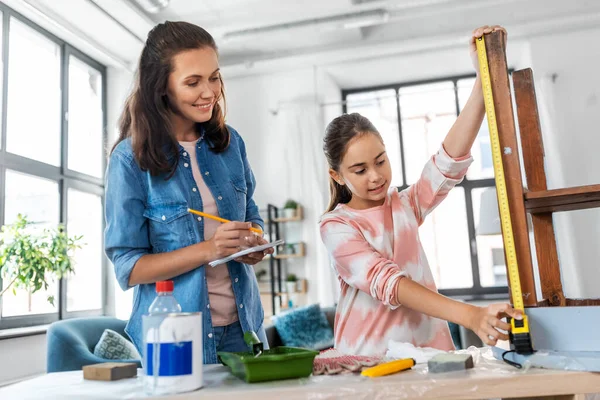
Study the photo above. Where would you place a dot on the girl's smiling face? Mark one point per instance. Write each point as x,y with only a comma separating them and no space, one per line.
365,170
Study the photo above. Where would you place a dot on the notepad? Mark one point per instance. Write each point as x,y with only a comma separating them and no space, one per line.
249,250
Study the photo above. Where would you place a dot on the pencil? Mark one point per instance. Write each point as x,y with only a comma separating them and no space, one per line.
223,220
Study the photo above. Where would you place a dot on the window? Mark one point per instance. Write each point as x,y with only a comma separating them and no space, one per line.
38,198
461,237
34,94
52,162
85,217
85,118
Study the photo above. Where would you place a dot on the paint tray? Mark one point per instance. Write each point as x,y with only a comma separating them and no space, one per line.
273,364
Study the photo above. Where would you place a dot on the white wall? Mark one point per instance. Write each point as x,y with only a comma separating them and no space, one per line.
416,65
571,139
331,95
22,357
263,109
252,104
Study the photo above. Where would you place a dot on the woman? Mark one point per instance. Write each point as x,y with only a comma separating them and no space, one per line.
175,152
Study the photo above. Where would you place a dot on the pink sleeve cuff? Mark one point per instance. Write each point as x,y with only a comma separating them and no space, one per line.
452,167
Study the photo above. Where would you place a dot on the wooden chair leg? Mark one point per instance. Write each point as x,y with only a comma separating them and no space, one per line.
533,159
510,158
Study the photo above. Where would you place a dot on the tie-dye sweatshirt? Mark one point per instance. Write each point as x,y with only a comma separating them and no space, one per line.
372,249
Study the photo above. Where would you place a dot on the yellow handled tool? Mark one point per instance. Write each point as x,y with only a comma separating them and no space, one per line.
389,368
519,335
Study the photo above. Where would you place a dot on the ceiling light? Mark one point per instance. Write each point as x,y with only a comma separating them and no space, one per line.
152,6
344,21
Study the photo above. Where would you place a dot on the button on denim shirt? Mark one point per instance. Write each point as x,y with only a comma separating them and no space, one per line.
147,215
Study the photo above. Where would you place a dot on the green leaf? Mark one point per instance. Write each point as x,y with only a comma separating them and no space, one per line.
51,300
34,257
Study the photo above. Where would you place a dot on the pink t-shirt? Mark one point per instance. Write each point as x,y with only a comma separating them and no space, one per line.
223,308
372,249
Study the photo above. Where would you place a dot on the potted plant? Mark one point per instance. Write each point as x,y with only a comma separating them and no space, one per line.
291,248
30,259
290,283
289,210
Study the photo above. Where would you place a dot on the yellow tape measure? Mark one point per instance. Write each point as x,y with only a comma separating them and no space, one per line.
518,327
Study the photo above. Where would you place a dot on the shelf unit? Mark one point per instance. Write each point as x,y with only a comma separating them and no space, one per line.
275,262
301,252
298,217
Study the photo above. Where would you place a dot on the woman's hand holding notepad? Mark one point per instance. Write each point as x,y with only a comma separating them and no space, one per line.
239,256
257,243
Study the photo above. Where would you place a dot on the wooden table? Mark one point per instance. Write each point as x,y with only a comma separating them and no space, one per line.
489,379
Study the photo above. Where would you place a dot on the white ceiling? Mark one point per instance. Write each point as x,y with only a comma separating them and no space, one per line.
406,20
252,34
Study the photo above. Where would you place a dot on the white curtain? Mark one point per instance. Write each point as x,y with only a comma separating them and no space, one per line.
308,181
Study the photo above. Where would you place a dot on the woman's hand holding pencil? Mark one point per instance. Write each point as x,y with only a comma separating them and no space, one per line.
223,220
234,236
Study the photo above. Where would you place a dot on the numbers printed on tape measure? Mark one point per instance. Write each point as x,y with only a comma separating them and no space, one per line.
509,244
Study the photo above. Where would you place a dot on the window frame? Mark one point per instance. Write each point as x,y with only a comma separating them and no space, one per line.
477,291
65,177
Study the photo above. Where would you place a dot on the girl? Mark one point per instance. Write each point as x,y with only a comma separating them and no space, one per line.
371,233
175,152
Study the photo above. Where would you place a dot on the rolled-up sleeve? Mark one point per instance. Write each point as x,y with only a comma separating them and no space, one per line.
126,234
439,176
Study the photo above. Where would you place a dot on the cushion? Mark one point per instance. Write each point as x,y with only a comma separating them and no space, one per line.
305,327
113,346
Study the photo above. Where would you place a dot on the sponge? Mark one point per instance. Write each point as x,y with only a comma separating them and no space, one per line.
450,362
109,371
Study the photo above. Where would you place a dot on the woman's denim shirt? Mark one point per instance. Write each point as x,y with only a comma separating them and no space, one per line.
146,215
